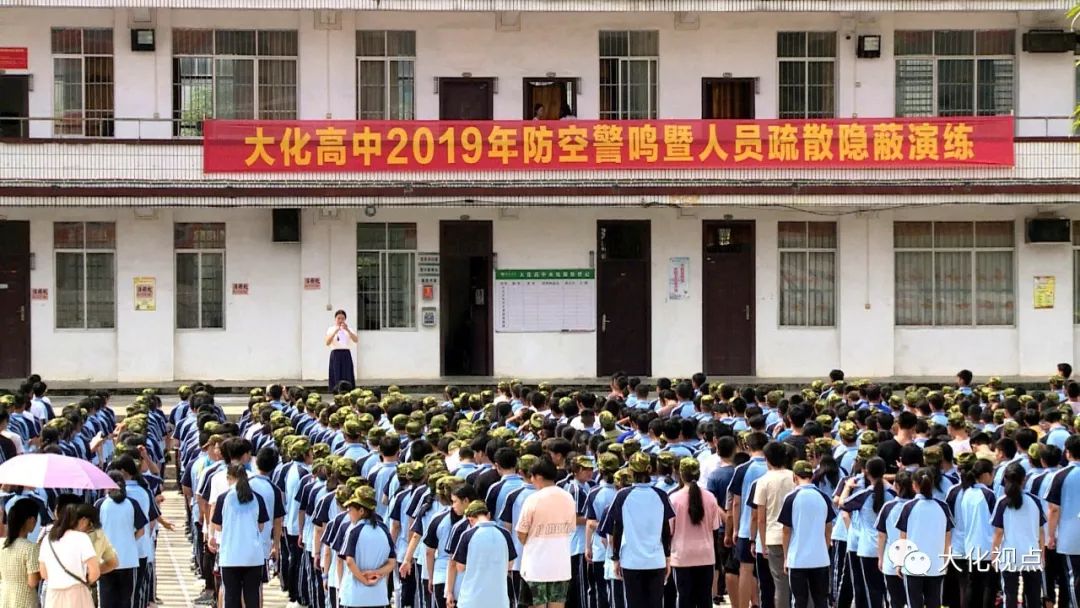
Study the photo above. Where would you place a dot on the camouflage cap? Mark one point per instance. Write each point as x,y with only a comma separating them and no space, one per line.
447,485
607,420
433,479
868,438
666,459
1034,451
619,449
639,463
825,421
999,416
536,421
475,508
848,430
688,467
320,450
343,493
608,462
526,462
866,452
344,467
300,448
375,434
803,469
363,497
933,455
1009,426
630,446
414,428
584,462
352,429
823,445
965,459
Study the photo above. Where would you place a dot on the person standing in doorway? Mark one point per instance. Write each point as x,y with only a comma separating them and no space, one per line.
340,339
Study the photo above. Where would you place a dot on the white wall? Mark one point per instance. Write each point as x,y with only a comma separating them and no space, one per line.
449,44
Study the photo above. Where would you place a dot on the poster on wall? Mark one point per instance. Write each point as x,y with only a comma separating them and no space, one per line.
545,300
678,269
1044,292
145,294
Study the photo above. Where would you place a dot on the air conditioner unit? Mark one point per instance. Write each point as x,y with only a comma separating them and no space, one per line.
1048,230
1049,41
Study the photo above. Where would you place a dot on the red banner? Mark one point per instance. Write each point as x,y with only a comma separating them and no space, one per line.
357,146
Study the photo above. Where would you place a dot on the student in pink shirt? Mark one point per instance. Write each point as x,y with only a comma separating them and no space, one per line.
693,554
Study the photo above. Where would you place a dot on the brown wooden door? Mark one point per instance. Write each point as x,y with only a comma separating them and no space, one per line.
15,299
466,98
727,98
623,303
557,96
728,290
465,297
14,106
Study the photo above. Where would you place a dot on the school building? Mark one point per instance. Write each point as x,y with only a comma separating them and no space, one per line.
190,188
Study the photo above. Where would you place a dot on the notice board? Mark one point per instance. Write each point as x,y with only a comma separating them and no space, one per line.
545,300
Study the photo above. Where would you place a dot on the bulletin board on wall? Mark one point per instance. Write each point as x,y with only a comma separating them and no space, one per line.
545,300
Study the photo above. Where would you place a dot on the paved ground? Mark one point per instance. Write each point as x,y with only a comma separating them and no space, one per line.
177,585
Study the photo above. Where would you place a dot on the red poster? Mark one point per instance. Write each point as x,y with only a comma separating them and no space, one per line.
14,58
319,146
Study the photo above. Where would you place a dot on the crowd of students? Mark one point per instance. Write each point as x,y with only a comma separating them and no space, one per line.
679,495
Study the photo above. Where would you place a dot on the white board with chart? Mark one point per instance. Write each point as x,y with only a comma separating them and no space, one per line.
545,300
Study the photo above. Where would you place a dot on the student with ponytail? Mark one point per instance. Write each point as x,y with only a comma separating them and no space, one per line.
693,552
124,523
1018,539
888,534
860,511
927,523
238,518
971,504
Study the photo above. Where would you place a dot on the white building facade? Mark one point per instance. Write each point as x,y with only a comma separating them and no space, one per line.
121,259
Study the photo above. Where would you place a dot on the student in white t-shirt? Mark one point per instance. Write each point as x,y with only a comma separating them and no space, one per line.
68,562
545,527
340,339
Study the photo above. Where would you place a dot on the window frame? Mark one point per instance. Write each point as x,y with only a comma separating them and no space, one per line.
972,252
935,60
85,252
386,59
199,252
383,279
652,62
805,59
106,123
1076,262
805,250
179,130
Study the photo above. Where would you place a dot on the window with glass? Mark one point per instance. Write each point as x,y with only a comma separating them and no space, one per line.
954,273
954,72
385,75
629,72
83,81
386,275
200,275
807,273
85,274
232,74
807,74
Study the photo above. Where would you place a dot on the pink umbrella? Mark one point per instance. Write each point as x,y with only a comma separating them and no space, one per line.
54,471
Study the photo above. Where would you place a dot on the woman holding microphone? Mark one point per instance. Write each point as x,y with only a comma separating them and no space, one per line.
340,339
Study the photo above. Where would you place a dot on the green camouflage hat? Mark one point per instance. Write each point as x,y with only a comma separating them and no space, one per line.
1033,451
300,448
413,429
823,445
475,508
999,416
375,434
866,452
363,497
624,478
608,462
352,429
584,462
447,485
639,463
666,459
526,462
320,450
607,420
630,447
1009,426
803,469
343,493
933,455
688,467
399,420
868,438
965,459
619,449
825,421
433,479
848,430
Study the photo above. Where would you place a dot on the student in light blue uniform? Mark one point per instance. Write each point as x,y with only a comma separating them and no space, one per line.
926,522
887,534
134,486
506,460
1063,533
238,517
300,452
265,462
739,491
482,556
368,554
123,522
861,509
333,541
638,524
971,504
596,550
437,535
1018,540
40,498
1057,435
807,515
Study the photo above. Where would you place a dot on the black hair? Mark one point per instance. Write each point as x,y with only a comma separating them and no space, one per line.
1013,482
506,458
924,481
267,460
340,312
776,455
875,469
68,518
544,468
828,472
1065,369
904,486
695,504
118,495
965,376
243,488
17,516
